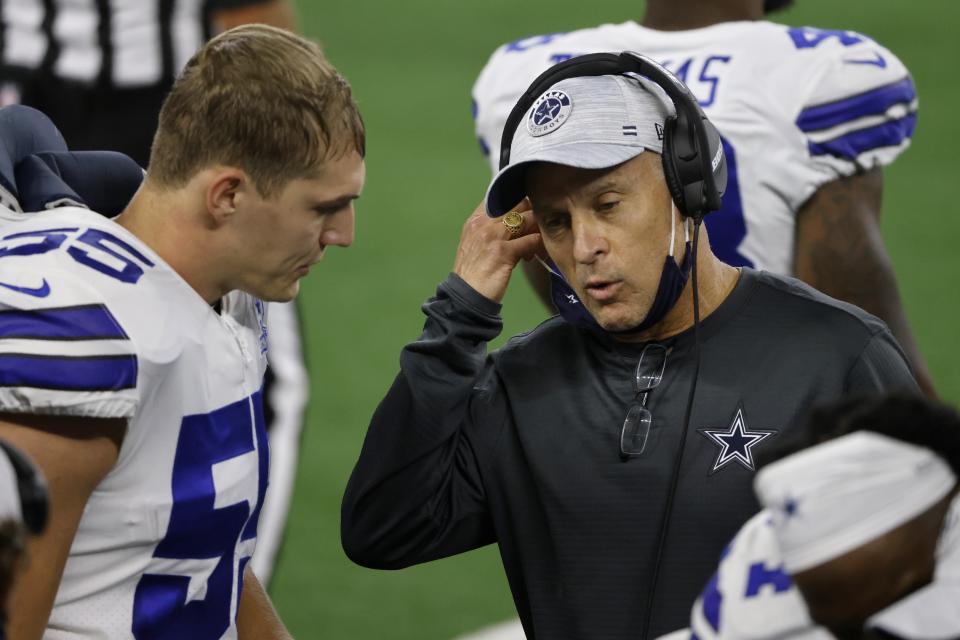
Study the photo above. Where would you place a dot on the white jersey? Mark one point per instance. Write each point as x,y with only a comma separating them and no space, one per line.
796,107
93,323
751,597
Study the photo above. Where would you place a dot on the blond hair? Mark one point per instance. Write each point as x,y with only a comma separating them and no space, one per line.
261,99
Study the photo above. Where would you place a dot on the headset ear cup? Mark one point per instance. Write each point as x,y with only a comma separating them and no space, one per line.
719,171
670,171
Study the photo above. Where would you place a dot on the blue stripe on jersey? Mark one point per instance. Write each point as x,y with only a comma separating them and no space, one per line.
870,103
711,602
91,373
41,232
84,322
851,145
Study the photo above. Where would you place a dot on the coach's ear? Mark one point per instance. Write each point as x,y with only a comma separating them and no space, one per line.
227,190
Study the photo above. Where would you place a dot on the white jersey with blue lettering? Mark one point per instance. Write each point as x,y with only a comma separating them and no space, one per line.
797,108
94,324
750,597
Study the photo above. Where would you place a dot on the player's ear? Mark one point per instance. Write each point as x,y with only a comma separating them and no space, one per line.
225,192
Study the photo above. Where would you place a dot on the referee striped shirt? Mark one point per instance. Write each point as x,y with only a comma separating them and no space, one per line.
110,43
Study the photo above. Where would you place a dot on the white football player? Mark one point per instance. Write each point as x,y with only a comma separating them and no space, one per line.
57,178
119,112
809,117
132,350
860,534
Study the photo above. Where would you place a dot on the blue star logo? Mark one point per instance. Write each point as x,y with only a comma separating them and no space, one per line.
547,111
736,443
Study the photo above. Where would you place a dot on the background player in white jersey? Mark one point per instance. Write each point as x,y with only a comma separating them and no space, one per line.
132,351
860,534
809,118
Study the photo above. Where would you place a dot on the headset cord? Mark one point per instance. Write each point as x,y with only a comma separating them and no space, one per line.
675,477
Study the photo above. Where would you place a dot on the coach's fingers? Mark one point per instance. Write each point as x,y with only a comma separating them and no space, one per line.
527,246
491,247
531,228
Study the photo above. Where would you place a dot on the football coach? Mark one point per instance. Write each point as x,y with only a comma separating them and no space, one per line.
610,451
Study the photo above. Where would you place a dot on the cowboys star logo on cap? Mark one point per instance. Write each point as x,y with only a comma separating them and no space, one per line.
549,112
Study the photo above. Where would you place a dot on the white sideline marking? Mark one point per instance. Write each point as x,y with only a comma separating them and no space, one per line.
511,630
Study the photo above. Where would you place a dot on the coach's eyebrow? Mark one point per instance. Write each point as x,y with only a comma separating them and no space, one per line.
603,187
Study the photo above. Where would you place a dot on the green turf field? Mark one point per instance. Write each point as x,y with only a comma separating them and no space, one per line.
412,63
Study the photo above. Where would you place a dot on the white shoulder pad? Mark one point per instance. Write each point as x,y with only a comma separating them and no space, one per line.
62,350
859,105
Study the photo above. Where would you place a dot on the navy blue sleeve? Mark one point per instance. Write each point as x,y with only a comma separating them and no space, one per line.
416,492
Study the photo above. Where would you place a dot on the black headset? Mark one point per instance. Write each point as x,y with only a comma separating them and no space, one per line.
31,487
694,164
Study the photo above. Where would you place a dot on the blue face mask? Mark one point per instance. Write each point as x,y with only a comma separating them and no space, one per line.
673,278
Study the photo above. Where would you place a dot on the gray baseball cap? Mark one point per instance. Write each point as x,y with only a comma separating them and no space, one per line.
591,122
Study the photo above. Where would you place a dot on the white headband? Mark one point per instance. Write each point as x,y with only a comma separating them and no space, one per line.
831,498
9,492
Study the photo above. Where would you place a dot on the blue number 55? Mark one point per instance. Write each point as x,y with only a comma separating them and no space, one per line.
193,584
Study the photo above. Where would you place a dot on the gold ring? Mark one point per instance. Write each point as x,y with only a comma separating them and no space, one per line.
513,221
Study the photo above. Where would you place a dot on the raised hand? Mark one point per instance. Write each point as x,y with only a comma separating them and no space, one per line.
489,251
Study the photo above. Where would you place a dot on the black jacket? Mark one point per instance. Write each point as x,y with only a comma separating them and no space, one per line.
521,448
